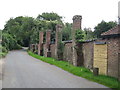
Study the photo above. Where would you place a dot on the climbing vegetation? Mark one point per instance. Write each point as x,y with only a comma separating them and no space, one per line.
79,35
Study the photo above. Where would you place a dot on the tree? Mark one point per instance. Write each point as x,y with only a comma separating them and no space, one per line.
9,42
49,21
25,30
66,32
20,28
49,16
103,27
88,34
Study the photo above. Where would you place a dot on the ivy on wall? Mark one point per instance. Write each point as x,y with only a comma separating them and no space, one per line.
79,35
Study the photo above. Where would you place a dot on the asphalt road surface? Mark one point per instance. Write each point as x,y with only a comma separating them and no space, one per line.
23,71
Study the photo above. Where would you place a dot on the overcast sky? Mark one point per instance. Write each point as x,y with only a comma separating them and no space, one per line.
92,11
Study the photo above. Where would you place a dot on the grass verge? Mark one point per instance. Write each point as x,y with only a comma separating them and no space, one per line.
80,71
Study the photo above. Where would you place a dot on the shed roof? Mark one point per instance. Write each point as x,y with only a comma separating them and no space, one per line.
113,31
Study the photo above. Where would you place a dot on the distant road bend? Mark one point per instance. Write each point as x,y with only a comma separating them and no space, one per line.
23,71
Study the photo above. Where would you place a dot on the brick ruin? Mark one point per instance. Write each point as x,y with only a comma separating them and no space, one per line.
47,52
84,54
76,26
58,40
112,39
40,45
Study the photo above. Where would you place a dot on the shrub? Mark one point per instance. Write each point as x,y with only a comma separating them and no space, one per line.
3,51
9,42
79,35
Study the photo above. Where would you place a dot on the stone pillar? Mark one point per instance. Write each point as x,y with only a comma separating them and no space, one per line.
47,45
58,38
48,39
40,43
76,25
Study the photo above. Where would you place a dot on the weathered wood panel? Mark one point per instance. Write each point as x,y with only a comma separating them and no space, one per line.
100,58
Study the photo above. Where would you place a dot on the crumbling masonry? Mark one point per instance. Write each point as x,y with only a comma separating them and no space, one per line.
76,26
102,53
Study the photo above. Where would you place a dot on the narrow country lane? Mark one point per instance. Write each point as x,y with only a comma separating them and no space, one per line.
23,71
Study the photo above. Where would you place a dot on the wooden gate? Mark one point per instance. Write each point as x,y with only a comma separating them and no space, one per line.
100,57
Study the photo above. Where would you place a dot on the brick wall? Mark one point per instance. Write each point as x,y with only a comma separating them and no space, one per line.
113,57
52,49
67,54
85,58
44,50
84,55
113,51
112,54
88,54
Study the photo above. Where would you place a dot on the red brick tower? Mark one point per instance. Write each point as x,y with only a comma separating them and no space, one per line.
40,43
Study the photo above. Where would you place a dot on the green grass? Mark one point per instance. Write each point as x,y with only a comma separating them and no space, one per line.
80,71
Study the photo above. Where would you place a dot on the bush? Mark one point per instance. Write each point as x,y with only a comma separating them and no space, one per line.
79,35
9,42
3,51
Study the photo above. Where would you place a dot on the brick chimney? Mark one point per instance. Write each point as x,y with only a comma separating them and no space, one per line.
48,38
58,38
47,46
77,22
58,31
40,42
76,25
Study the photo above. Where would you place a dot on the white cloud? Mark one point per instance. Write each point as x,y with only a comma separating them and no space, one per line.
92,11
